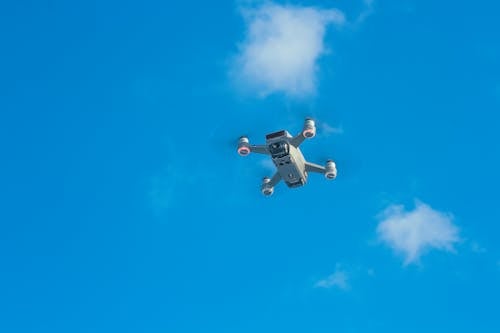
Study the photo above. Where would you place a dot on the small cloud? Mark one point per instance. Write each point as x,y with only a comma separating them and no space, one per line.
327,129
281,49
172,183
366,12
163,189
477,248
413,233
339,279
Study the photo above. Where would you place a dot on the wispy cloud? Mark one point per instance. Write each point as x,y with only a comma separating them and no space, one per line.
338,279
172,183
162,191
327,129
366,12
477,248
281,49
413,233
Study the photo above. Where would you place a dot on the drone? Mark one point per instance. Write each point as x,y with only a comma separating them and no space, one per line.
291,165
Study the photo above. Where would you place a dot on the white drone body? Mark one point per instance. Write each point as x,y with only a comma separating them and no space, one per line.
291,165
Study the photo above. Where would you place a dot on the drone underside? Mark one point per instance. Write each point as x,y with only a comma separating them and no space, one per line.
284,151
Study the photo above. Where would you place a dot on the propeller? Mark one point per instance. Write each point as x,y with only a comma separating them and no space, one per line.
325,126
348,166
225,138
325,146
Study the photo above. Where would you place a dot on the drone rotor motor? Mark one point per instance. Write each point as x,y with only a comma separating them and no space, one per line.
243,146
266,189
330,170
309,130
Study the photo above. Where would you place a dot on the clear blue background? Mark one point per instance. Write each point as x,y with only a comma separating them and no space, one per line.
124,207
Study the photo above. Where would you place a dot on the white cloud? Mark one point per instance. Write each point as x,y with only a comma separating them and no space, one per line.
174,182
477,248
282,46
339,279
327,129
169,187
412,233
366,12
162,191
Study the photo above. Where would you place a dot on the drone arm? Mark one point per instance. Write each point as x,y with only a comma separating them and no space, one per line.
275,180
308,132
260,149
312,167
297,140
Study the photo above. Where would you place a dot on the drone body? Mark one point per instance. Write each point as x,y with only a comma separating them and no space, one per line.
291,165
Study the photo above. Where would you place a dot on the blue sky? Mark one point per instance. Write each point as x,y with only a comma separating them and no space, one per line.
126,208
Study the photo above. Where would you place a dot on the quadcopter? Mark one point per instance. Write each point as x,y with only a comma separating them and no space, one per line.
291,165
